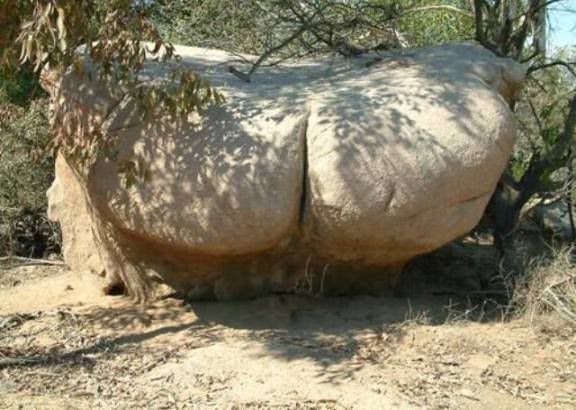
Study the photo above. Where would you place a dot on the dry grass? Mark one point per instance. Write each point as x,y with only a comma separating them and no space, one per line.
549,287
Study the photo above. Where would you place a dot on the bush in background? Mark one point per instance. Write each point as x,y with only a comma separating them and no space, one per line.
26,172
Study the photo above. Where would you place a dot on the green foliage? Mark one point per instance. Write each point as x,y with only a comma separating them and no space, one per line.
253,26
541,114
25,170
280,28
221,24
25,174
117,36
429,22
20,87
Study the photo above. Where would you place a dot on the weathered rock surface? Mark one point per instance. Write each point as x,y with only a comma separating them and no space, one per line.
364,163
555,219
67,204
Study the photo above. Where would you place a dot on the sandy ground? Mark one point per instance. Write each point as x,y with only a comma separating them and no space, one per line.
65,345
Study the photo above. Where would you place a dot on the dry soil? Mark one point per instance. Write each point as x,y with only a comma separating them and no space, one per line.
63,344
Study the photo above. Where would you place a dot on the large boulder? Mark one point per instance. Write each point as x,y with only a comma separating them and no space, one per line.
355,164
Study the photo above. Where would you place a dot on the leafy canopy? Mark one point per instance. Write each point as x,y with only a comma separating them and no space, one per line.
52,36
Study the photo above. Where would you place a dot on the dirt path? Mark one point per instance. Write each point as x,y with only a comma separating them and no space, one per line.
75,348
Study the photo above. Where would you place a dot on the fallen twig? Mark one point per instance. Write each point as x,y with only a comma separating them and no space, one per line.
18,361
16,261
10,322
469,293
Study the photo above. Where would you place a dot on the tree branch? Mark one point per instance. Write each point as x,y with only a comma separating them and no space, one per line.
437,8
565,64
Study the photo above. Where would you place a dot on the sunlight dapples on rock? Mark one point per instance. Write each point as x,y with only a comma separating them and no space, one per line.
332,172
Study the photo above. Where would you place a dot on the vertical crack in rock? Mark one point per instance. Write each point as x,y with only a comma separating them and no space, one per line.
305,183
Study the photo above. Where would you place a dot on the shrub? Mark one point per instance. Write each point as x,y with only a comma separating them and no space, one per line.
25,171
